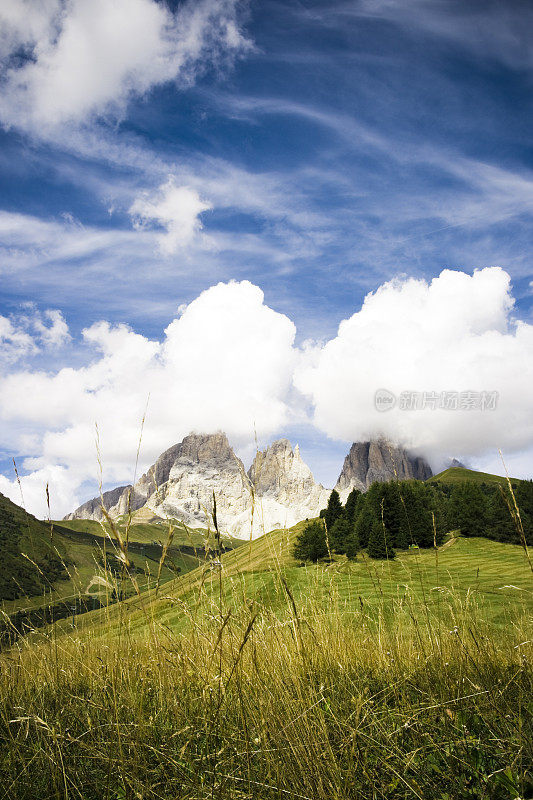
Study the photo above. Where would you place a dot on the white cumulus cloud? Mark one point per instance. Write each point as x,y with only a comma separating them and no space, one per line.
85,58
454,334
62,486
51,328
225,363
228,361
15,342
175,208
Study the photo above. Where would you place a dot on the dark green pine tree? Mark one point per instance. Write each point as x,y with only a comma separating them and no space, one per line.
501,516
524,496
392,512
333,511
359,505
524,499
339,533
468,509
352,545
417,514
379,545
437,502
363,523
311,543
351,505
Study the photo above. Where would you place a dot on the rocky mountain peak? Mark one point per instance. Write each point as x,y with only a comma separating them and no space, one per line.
456,463
194,449
92,509
202,447
379,460
277,467
180,484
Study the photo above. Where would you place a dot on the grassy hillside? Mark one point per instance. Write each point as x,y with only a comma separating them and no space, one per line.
260,678
47,566
458,474
493,576
147,529
255,677
31,561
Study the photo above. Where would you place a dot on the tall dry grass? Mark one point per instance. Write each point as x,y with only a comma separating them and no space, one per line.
294,695
244,700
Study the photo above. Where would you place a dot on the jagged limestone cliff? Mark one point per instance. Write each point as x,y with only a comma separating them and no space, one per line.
278,490
203,464
92,509
284,487
379,460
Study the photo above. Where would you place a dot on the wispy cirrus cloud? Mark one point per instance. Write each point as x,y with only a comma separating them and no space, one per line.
497,30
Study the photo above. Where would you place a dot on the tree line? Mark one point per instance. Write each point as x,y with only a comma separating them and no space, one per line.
396,515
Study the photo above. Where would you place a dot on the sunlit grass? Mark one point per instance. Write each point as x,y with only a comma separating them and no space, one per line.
262,678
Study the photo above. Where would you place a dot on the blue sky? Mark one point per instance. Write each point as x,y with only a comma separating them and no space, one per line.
323,149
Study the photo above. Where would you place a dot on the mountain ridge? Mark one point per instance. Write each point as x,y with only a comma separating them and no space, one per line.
277,491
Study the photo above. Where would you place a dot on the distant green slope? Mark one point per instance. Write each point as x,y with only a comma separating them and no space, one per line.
30,560
45,566
493,575
150,532
458,474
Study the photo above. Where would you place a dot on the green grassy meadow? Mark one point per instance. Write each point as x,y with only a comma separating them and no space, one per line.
52,564
84,563
255,676
142,531
460,474
493,577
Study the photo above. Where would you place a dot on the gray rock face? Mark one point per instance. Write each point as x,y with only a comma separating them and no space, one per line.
280,472
152,488
285,490
279,489
203,464
379,460
456,463
92,509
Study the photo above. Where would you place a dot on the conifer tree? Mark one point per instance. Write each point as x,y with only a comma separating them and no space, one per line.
311,543
333,511
524,496
417,525
524,499
501,524
350,507
339,533
468,509
352,545
392,512
363,524
379,545
436,502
